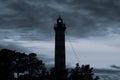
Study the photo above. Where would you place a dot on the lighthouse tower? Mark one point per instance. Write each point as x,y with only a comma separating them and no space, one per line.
60,61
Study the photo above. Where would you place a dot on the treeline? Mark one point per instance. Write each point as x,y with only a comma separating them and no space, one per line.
20,66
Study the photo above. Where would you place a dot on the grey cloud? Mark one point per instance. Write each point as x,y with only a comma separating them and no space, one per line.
83,17
16,47
91,17
46,59
100,8
115,66
12,46
33,20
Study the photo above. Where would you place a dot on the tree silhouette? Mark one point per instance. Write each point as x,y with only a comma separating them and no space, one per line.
20,63
6,64
31,68
82,73
12,62
35,66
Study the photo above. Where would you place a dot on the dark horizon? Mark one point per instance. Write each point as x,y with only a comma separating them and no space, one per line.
21,66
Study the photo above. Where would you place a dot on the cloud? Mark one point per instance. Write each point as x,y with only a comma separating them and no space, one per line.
27,25
43,49
99,52
83,18
92,17
115,66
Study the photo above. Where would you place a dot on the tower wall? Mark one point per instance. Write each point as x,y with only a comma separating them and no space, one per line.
60,59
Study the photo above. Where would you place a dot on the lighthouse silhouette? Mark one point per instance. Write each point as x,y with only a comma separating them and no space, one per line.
60,60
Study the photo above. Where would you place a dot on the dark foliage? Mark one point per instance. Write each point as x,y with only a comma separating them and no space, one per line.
23,65
20,66
82,73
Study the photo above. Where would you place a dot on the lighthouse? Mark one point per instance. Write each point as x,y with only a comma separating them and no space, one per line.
60,58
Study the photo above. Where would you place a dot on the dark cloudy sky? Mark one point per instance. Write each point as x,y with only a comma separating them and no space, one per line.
93,26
